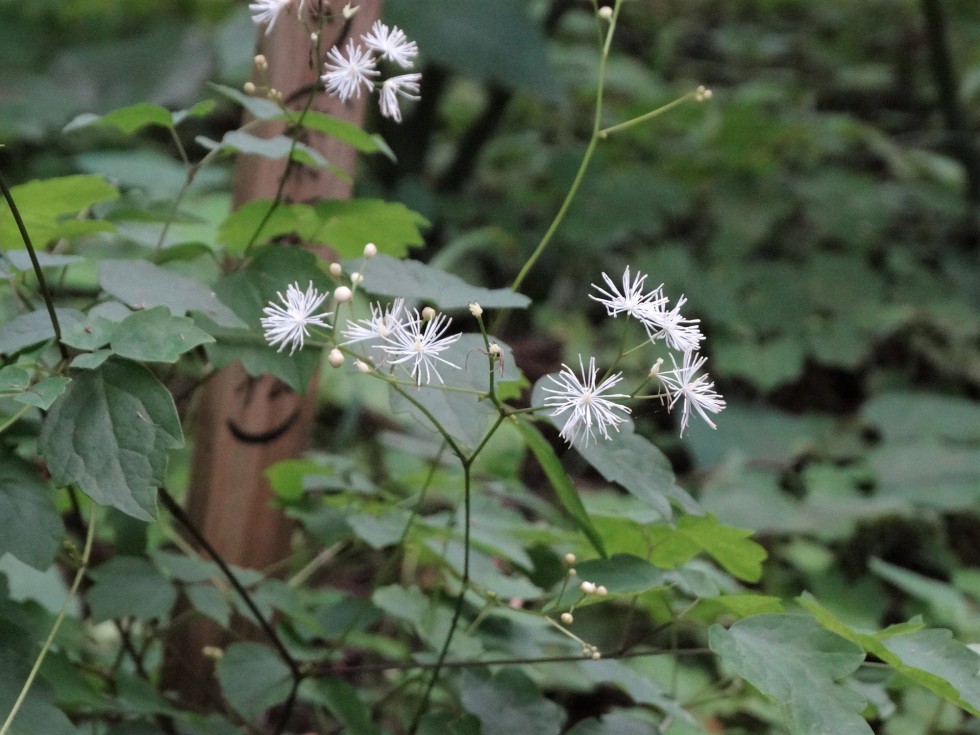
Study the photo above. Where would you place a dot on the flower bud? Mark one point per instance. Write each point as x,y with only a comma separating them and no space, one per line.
601,590
605,12
702,93
428,313
476,310
335,358
587,588
572,571
342,294
249,88
655,370
566,618
356,278
336,270
569,558
362,366
370,250
596,655
260,62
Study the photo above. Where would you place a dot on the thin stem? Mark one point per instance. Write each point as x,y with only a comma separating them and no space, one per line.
606,132
173,507
14,419
86,553
42,284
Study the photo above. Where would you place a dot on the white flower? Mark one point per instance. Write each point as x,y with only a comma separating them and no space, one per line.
698,392
345,76
420,341
287,325
380,326
391,44
267,11
590,409
679,333
631,300
406,85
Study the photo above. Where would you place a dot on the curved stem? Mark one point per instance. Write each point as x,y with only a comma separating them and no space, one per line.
42,284
86,553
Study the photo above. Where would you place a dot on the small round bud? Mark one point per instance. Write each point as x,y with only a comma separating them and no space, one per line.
362,366
213,652
370,250
260,62
275,95
349,10
336,270
702,93
566,618
655,370
249,88
587,588
428,313
314,38
601,590
569,558
572,571
335,358
605,12
596,655
356,278
342,294
476,310
586,650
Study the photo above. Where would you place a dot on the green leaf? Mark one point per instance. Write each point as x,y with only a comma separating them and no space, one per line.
792,659
342,130
931,658
33,328
126,119
612,724
904,416
261,108
129,586
347,225
239,227
154,335
38,714
21,260
509,702
90,334
276,147
621,574
45,206
731,547
209,601
253,678
343,702
43,394
250,290
143,285
14,379
110,433
386,276
945,601
560,482
32,528
90,360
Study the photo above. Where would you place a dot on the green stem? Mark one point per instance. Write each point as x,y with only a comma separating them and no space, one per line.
89,537
42,284
13,419
606,132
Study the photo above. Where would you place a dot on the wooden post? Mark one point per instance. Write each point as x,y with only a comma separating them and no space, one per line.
245,424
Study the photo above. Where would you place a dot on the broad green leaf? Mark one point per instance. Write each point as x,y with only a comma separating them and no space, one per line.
731,547
253,678
239,228
430,621
43,393
22,261
38,714
386,276
92,333
48,207
509,702
33,328
792,659
261,108
126,119
143,285
250,290
612,724
14,379
946,602
931,658
110,434
343,702
90,360
347,225
741,606
276,147
154,335
209,601
621,574
561,483
129,586
342,130
32,528
904,416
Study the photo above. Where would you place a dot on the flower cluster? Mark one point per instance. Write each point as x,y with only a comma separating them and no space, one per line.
355,67
591,408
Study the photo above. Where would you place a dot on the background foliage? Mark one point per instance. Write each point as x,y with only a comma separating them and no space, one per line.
820,213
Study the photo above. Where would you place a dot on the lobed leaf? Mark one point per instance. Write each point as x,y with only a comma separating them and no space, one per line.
129,586
731,547
48,207
253,678
155,335
110,433
33,529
